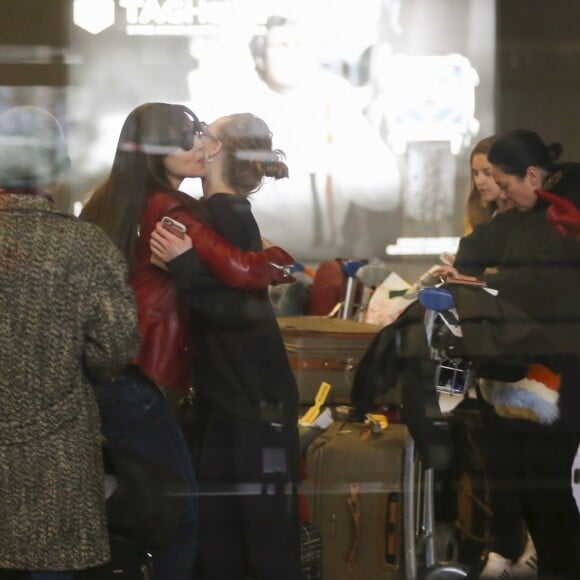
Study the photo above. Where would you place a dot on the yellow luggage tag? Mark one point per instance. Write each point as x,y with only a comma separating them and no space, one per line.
376,422
314,411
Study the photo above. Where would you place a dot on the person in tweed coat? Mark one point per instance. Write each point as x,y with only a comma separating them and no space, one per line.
67,319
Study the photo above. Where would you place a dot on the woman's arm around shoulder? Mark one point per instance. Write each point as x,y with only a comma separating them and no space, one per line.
232,266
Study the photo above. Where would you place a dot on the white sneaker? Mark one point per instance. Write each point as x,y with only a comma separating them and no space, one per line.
526,568
497,567
527,564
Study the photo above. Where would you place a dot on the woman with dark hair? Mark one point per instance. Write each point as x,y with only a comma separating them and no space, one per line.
537,408
159,146
249,455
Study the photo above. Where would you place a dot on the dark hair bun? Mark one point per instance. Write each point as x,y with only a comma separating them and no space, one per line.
554,151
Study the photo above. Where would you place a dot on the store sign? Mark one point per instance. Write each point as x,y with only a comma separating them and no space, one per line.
147,17
93,17
423,246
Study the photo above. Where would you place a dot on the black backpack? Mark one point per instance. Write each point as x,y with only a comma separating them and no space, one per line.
128,562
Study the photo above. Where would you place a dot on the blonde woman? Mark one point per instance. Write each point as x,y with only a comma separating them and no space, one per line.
245,384
485,198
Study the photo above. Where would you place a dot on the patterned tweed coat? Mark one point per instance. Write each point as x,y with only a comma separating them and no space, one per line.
66,312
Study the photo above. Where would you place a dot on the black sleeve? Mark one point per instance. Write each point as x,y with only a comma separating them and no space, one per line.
212,302
532,265
534,284
190,274
484,246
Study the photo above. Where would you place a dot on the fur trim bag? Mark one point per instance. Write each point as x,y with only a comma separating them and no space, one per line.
533,398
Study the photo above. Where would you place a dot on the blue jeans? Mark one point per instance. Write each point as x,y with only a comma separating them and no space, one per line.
136,415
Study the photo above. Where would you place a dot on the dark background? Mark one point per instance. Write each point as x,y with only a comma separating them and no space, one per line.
538,69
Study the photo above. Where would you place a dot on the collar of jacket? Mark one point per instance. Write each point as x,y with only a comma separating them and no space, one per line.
28,191
25,202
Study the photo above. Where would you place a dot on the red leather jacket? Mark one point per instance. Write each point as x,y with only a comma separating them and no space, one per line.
166,353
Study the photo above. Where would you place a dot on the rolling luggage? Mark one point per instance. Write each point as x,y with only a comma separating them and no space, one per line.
328,288
325,349
353,484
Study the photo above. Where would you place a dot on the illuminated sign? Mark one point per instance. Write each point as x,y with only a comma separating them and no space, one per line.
92,16
423,246
430,98
148,17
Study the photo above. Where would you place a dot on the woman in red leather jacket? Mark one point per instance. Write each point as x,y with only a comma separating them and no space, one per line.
157,149
160,145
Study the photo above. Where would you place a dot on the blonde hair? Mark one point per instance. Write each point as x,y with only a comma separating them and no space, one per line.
248,154
477,211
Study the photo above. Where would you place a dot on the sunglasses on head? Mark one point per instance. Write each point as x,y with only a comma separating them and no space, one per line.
205,131
200,128
190,132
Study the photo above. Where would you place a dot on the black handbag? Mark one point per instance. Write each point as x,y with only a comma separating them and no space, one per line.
189,417
148,502
149,499
142,514
128,562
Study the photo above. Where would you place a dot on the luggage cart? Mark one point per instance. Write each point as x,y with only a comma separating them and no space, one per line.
453,376
420,553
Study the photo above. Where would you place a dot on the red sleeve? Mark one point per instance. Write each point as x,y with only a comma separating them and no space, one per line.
232,266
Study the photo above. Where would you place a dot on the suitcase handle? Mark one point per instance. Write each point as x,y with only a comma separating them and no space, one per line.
353,504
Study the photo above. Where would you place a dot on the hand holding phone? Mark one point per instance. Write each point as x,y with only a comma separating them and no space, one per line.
163,247
173,226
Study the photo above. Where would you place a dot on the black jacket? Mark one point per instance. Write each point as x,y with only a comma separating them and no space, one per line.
532,271
241,362
537,277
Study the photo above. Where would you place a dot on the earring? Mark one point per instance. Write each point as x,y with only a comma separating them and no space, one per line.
209,159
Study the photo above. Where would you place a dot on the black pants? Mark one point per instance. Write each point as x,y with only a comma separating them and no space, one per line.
536,467
508,528
248,517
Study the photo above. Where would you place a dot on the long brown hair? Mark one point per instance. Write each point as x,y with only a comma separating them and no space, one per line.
477,211
149,133
248,154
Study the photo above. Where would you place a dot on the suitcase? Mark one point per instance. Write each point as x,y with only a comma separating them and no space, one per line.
354,486
335,285
328,288
325,349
